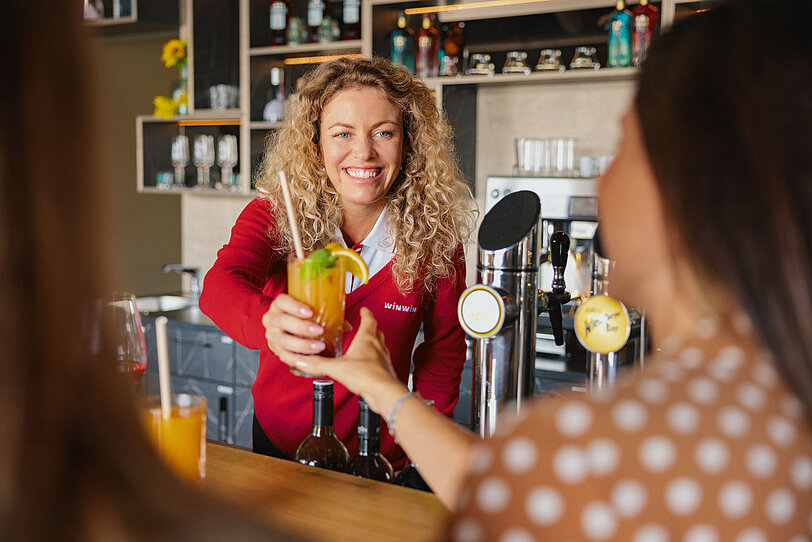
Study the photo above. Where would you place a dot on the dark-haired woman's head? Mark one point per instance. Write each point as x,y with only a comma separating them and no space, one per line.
724,116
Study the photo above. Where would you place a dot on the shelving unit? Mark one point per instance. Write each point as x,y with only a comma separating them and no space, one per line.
146,16
521,25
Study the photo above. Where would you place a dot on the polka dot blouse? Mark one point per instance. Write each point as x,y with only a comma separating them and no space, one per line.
707,444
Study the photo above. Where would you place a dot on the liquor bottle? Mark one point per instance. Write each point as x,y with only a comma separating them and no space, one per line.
316,12
369,463
620,36
322,448
644,16
427,58
402,43
275,107
451,52
351,17
409,477
280,19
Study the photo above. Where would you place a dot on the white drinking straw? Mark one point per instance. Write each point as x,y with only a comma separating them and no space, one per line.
164,382
294,227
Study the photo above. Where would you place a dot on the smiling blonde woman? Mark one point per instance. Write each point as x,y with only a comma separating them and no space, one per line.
368,158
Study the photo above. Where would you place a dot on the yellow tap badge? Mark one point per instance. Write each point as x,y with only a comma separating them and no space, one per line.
602,324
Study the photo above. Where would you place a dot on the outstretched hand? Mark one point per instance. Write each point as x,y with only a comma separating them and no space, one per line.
365,369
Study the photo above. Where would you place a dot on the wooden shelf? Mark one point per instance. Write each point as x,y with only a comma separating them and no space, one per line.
263,125
201,115
574,76
347,46
468,10
111,21
206,192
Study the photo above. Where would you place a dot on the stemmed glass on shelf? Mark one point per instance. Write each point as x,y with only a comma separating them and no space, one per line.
180,158
204,158
227,159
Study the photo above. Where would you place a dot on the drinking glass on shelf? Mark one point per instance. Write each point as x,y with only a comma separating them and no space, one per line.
204,158
227,159
180,158
127,336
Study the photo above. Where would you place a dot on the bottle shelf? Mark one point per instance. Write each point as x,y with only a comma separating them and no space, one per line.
469,10
580,76
346,46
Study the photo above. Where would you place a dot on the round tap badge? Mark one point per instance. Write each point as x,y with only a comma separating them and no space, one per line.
602,324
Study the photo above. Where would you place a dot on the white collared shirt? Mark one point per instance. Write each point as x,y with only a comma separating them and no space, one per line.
377,248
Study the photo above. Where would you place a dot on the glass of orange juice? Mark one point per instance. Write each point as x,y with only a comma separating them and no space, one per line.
319,284
181,439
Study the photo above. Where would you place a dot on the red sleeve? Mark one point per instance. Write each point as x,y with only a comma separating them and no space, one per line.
233,288
439,359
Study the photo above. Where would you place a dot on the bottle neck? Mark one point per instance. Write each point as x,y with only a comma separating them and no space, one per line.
426,23
369,446
322,415
401,22
621,5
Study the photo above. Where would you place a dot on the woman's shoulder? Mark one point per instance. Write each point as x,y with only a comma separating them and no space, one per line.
710,426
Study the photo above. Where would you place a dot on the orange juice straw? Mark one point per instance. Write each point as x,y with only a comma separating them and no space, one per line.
294,227
165,383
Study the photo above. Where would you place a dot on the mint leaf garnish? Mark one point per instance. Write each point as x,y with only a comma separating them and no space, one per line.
316,263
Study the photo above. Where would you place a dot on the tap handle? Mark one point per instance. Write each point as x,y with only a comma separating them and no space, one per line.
559,251
556,322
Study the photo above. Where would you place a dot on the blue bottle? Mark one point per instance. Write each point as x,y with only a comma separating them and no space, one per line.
402,44
620,37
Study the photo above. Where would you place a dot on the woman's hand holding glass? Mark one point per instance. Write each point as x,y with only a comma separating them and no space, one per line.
289,330
365,368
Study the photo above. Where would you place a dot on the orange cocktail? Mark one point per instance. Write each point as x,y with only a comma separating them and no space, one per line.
180,439
322,289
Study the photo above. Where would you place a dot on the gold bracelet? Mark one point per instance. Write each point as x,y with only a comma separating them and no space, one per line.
392,417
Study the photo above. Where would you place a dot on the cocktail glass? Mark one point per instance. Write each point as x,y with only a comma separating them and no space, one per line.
180,439
324,293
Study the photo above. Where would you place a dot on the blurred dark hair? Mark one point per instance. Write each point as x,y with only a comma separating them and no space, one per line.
725,108
75,462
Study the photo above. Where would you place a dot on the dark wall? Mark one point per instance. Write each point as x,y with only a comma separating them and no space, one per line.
148,226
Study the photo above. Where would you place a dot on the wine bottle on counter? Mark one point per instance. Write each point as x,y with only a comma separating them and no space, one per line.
428,40
322,448
409,477
369,463
280,19
645,23
402,44
351,18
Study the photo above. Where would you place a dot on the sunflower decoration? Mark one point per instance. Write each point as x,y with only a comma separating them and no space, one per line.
174,53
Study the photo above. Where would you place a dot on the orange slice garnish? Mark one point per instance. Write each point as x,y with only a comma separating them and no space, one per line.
352,261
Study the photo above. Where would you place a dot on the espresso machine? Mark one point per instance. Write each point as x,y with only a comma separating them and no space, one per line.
501,310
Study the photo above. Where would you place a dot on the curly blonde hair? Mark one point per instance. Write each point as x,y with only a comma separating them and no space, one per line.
429,205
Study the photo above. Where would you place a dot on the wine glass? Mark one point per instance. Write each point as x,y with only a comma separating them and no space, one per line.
204,158
227,159
127,336
180,158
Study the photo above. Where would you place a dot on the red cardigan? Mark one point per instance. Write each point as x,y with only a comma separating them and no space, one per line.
246,277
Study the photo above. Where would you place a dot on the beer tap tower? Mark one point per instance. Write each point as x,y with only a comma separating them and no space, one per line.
500,311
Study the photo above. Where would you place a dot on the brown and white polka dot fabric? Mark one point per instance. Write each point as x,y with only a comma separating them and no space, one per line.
708,444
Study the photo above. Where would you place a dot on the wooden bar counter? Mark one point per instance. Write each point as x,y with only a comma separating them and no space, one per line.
321,504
